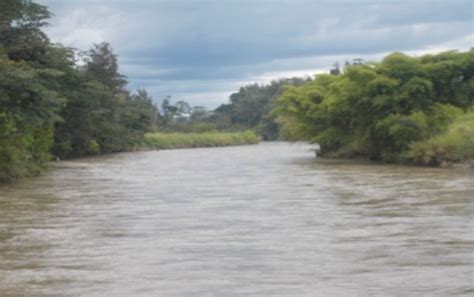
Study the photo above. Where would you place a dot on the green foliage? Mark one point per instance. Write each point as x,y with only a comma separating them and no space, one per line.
21,36
102,66
181,117
454,145
190,140
379,110
440,116
100,111
397,131
250,108
49,104
27,114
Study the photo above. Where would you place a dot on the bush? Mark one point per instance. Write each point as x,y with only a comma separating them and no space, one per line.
456,144
400,109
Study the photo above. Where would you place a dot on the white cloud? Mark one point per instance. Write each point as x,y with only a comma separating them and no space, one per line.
81,27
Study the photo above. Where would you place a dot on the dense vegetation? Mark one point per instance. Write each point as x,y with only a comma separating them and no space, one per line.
56,102
49,105
250,108
204,139
403,109
456,144
181,117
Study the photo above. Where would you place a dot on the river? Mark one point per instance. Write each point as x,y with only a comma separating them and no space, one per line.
261,220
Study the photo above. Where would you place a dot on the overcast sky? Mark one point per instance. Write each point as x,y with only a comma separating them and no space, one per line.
202,51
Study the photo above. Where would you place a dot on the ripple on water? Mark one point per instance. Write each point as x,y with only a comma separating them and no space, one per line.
263,220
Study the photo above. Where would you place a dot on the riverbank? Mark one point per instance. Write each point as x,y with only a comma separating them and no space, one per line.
151,141
454,147
160,141
400,110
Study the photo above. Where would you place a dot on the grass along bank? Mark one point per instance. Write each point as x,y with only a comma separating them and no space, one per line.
454,146
159,140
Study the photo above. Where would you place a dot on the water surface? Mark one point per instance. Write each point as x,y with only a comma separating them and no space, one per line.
263,220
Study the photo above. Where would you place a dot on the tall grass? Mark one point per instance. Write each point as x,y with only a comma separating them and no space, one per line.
455,145
190,140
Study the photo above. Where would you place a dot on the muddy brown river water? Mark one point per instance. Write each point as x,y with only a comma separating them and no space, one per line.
262,220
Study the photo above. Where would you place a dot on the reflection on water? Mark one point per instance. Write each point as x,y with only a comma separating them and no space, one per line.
264,220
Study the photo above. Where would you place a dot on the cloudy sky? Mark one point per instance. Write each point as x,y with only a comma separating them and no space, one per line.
202,51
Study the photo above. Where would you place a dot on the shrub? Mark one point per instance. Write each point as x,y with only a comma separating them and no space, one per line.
456,144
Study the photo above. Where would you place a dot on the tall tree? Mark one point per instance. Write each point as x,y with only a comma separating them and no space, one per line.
28,102
102,65
21,24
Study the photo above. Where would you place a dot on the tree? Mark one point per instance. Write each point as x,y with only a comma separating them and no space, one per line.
198,114
28,100
336,70
169,111
378,110
183,108
21,34
100,115
250,108
49,104
102,65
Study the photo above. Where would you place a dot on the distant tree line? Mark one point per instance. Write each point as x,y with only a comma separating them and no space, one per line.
51,104
249,109
181,117
251,106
